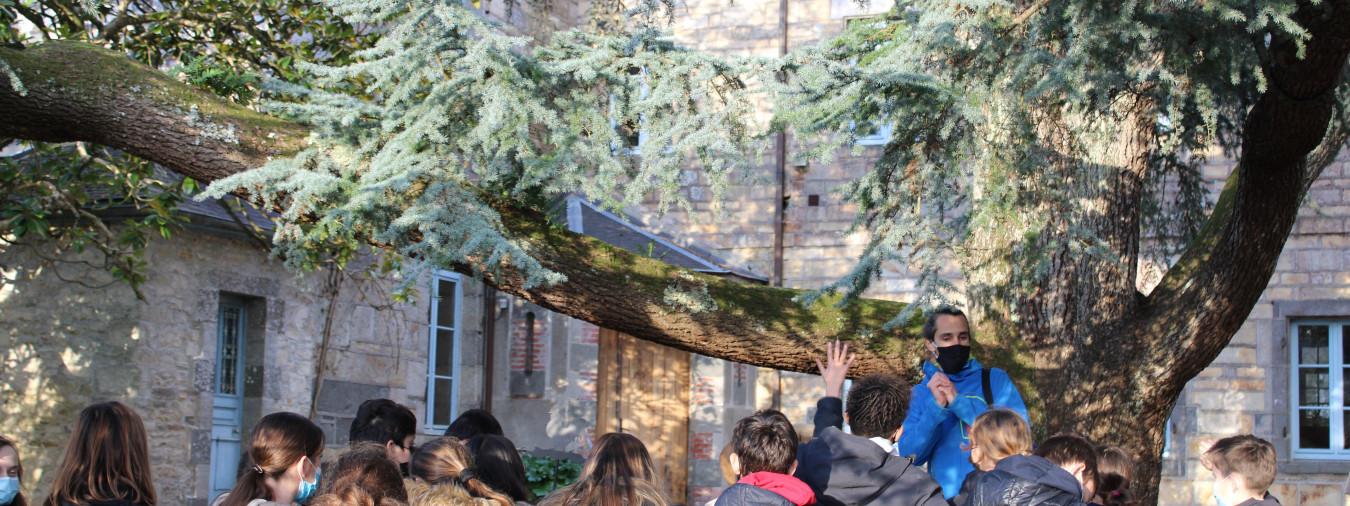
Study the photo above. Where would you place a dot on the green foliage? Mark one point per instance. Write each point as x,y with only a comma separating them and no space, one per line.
545,475
218,45
206,72
453,113
58,197
1009,122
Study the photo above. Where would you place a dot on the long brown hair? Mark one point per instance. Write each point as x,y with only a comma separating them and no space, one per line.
446,460
364,476
278,441
19,500
106,459
619,472
497,462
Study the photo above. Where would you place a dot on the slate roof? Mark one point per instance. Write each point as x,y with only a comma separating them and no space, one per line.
626,232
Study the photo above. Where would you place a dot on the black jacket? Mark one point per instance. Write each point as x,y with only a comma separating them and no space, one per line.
1268,500
1026,480
967,488
741,494
844,469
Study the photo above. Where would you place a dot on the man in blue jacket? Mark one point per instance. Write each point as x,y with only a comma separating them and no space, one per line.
955,389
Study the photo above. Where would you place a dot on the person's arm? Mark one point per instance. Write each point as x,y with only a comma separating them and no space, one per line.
921,423
829,413
830,409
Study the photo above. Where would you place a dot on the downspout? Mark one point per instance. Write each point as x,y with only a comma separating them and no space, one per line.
780,162
780,214
489,342
333,287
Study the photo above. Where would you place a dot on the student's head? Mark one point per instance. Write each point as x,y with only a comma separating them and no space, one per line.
499,465
947,337
877,405
1115,470
283,455
446,461
106,459
1243,467
998,434
764,442
472,423
1075,454
11,474
363,476
385,422
618,472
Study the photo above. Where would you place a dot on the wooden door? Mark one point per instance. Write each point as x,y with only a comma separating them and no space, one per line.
643,390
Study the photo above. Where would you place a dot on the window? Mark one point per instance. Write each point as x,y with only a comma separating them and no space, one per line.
843,9
630,130
1319,365
443,351
871,134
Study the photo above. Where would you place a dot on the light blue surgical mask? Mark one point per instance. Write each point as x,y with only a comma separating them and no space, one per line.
308,488
9,489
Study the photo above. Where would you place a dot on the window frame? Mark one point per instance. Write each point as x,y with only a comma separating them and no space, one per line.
621,147
429,410
880,138
1336,404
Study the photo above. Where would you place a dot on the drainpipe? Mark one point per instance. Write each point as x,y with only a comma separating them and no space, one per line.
489,342
780,162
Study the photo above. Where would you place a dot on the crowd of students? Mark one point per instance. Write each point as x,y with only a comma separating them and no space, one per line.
894,431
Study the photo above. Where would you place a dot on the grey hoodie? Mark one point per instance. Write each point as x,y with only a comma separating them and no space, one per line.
844,469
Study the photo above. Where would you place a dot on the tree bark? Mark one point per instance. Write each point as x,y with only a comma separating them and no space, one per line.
79,92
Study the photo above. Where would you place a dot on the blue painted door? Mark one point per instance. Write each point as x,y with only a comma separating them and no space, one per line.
227,412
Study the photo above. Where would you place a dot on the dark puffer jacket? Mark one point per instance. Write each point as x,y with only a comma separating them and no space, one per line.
1026,480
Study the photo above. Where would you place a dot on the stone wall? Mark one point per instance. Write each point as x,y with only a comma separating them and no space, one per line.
1247,388
65,345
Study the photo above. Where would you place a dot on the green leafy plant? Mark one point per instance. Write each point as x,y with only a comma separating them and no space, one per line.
546,474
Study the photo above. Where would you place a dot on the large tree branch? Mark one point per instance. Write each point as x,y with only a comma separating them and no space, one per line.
1206,296
79,92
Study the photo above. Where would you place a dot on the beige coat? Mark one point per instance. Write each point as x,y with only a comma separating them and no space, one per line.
445,494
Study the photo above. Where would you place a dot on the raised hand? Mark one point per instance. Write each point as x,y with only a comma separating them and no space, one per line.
835,369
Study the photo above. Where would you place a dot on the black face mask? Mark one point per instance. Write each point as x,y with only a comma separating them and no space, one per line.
953,358
403,469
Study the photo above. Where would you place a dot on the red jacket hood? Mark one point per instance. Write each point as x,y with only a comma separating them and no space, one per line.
794,490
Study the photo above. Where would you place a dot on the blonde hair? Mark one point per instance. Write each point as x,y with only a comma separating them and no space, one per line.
1000,433
446,461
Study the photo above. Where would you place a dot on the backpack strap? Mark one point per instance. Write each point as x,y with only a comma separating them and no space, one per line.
988,389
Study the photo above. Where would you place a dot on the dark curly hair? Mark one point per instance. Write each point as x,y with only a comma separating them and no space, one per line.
877,405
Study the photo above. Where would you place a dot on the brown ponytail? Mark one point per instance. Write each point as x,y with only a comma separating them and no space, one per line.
19,500
446,461
106,459
278,441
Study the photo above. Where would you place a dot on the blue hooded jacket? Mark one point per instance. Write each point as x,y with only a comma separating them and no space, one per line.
934,435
